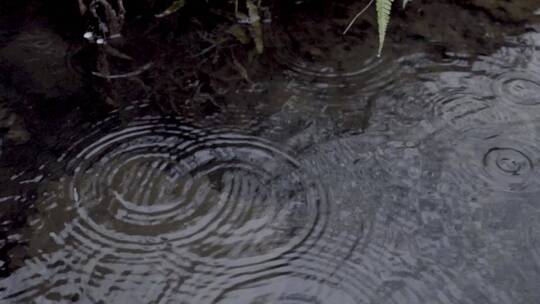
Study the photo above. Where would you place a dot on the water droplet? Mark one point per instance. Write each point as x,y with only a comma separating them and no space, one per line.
88,35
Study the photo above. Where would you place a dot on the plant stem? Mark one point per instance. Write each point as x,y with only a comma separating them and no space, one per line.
357,16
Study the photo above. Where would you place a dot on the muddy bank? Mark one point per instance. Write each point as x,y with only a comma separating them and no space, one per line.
202,50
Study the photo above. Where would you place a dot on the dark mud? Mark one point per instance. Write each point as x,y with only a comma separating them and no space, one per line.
176,164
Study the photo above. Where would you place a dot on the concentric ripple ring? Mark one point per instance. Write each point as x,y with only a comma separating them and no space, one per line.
219,195
519,88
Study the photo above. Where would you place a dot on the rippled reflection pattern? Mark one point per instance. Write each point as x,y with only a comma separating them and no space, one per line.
414,180
154,185
149,201
493,158
320,276
337,73
531,231
521,88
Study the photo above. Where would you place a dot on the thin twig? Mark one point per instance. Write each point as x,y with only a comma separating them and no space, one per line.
82,7
357,16
125,75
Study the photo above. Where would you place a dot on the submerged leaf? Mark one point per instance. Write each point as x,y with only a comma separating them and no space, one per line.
255,26
238,32
405,3
383,18
177,4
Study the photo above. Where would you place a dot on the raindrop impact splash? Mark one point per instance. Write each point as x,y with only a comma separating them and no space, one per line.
496,158
519,88
508,163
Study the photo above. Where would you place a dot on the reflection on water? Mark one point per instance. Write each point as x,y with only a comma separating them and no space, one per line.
129,196
404,179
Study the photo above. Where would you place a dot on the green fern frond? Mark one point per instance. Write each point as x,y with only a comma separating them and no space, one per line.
384,8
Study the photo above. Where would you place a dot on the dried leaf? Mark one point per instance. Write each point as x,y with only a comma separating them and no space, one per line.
405,2
175,6
239,33
255,26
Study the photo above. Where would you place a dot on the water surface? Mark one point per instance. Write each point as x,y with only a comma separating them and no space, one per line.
328,175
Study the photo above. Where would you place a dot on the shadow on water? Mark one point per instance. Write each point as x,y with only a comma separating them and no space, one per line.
314,173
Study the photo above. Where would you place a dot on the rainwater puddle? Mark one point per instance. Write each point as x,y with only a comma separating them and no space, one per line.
335,177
